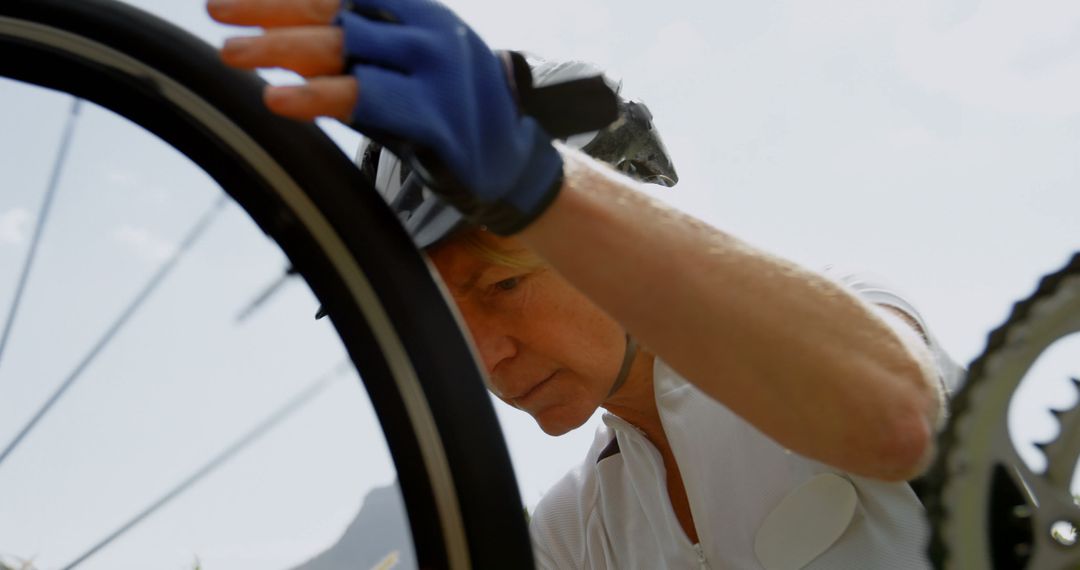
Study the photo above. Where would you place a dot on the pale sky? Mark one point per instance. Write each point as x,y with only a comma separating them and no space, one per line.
936,144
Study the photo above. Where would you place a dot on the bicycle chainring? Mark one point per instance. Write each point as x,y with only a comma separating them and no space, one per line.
988,509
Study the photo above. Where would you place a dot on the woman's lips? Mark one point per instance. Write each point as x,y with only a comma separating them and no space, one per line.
531,391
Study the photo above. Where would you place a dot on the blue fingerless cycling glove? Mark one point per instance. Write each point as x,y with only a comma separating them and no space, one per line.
433,93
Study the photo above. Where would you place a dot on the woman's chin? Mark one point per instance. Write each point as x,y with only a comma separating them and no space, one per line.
560,420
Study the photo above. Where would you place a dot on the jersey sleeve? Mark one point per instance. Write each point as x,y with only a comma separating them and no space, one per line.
876,291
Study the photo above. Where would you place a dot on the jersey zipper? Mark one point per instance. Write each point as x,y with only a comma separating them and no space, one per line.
702,564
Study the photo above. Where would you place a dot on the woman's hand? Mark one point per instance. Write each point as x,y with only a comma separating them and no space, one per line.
299,35
412,76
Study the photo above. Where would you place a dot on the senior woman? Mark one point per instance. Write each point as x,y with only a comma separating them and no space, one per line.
770,416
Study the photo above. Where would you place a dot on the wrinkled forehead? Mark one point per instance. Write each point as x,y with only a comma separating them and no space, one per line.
463,259
457,264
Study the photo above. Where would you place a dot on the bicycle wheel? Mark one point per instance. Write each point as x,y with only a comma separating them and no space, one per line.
455,474
988,507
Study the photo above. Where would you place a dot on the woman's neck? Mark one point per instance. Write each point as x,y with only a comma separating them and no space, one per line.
635,402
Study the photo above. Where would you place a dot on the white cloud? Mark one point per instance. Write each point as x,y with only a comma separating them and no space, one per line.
912,137
14,226
1006,56
143,242
118,177
673,48
557,29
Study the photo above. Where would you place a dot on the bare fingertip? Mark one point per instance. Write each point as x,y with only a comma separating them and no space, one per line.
219,9
285,101
275,98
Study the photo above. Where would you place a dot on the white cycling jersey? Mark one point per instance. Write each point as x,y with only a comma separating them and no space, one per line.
754,504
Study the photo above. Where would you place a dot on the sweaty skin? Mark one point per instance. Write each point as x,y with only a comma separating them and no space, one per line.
783,347
547,349
812,366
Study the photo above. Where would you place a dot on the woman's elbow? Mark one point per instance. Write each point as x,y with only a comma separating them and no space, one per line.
907,442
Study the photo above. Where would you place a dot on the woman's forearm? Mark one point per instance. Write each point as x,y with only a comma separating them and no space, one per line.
808,363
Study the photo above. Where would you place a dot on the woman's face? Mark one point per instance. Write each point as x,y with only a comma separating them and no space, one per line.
546,348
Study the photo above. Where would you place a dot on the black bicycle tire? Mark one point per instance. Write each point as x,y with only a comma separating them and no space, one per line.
454,470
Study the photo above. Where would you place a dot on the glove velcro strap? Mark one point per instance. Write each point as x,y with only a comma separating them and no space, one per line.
505,219
538,185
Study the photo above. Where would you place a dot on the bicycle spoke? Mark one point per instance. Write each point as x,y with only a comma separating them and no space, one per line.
292,406
265,295
43,216
196,232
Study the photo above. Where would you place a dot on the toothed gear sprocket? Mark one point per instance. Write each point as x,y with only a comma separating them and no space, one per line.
986,507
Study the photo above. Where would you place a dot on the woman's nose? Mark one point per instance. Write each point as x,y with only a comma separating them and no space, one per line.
493,341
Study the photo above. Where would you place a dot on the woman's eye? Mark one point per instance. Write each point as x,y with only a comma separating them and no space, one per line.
508,284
